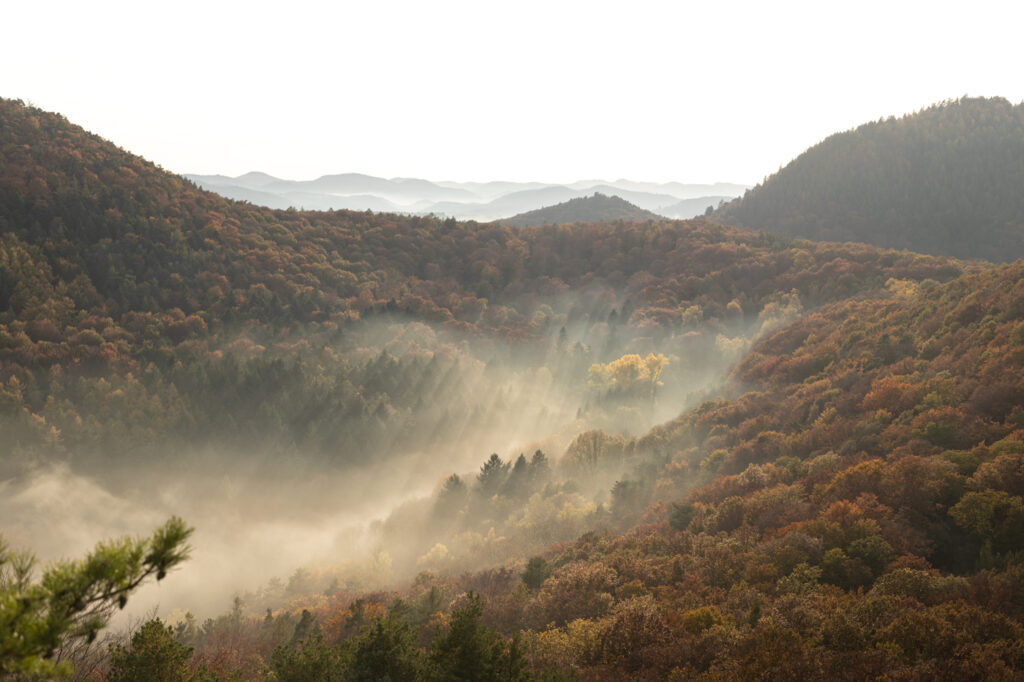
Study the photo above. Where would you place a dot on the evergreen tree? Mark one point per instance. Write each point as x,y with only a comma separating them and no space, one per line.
540,469
537,571
471,651
311,661
518,482
75,599
451,497
155,656
492,475
306,626
385,652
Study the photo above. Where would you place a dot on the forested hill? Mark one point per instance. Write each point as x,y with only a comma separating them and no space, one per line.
855,512
593,209
946,180
851,505
137,310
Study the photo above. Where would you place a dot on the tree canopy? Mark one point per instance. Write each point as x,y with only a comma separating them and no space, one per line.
944,180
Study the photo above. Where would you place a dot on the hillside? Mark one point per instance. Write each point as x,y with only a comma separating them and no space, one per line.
945,180
189,306
715,453
593,209
854,509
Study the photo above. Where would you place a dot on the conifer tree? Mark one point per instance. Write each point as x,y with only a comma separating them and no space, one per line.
73,600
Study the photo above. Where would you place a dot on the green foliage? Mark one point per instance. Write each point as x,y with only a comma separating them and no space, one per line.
680,515
469,650
629,497
701,619
537,571
310,661
73,600
306,627
923,586
873,550
803,579
154,656
386,652
994,517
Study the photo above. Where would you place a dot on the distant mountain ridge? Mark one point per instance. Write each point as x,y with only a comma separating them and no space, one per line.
593,209
482,201
946,180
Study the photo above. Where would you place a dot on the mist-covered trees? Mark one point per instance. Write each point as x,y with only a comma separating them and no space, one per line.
143,315
854,508
628,377
492,475
451,497
73,599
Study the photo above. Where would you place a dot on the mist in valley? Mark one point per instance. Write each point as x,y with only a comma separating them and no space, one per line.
280,522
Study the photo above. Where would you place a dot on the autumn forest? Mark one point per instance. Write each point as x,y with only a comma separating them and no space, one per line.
348,445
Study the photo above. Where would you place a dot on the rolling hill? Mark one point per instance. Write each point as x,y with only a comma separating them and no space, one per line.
945,180
110,266
593,209
462,200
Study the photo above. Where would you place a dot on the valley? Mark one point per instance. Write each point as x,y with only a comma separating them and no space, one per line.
582,448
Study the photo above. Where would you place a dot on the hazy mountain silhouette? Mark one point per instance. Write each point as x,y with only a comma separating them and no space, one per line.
691,208
483,201
593,209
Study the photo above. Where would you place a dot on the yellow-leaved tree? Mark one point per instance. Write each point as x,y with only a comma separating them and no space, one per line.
631,376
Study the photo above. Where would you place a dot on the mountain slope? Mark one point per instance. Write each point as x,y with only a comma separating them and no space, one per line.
593,209
213,320
853,510
946,180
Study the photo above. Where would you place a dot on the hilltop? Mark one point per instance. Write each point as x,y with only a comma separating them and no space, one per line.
945,180
593,209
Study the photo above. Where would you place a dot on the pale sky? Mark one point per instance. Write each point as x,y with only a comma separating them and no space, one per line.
484,90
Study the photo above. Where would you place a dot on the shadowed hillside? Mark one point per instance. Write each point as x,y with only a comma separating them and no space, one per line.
946,180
